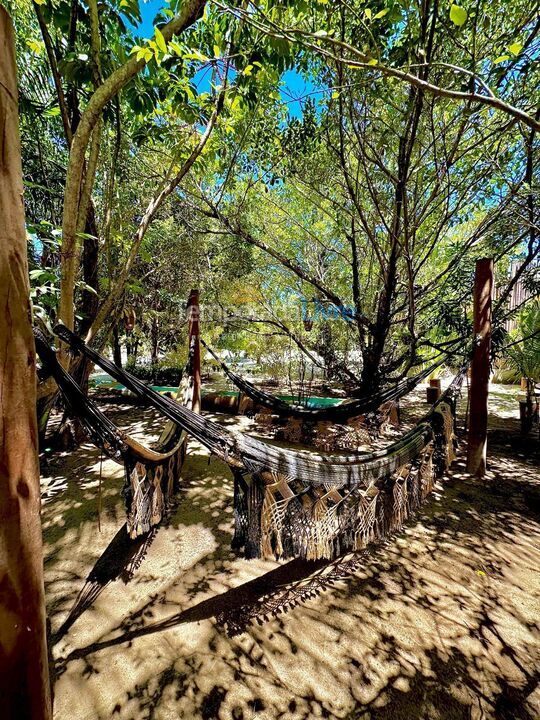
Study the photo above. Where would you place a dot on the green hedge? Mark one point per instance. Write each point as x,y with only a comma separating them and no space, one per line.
162,375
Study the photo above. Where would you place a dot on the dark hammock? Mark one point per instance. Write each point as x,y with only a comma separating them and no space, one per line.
337,413
300,504
151,474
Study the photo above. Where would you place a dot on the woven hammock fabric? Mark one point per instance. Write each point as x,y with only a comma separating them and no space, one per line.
299,504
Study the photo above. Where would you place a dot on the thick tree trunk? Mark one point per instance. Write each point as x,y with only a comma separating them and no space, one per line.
480,367
24,677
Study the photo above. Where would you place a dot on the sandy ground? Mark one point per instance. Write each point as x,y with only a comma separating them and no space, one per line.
441,621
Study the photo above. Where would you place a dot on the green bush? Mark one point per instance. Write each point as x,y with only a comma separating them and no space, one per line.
525,357
163,375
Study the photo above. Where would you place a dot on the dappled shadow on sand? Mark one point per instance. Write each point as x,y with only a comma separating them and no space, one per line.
440,621
120,560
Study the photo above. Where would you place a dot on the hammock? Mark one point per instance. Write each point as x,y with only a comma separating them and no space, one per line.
151,474
337,413
299,504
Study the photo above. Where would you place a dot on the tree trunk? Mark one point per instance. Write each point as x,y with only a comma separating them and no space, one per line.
117,350
480,367
89,299
193,311
24,676
154,338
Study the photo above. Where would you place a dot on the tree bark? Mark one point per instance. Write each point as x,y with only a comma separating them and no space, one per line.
154,341
117,350
483,290
193,311
24,676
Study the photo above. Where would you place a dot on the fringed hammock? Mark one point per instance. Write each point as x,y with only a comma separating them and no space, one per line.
298,504
151,474
337,413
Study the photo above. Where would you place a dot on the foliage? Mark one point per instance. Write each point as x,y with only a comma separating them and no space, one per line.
335,235
525,356
162,375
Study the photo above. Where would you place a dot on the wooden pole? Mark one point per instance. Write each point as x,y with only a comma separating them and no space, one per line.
195,346
480,366
24,676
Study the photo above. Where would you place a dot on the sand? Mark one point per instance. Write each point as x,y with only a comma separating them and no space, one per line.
440,621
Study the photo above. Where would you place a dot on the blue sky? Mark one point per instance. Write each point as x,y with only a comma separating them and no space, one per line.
295,86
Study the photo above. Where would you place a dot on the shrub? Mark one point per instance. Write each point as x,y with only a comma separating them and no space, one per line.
163,375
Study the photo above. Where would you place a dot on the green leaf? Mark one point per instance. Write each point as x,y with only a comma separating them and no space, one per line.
335,95
458,15
320,33
35,46
515,48
176,47
34,274
88,288
248,70
160,40
381,14
500,59
373,61
367,13
195,55
40,2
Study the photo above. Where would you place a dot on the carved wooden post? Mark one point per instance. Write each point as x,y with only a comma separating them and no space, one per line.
195,346
24,676
483,290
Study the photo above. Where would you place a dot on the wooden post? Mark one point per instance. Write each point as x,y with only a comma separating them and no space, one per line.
24,676
483,290
433,391
195,346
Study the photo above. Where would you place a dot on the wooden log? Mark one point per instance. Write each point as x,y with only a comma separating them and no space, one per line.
195,346
215,402
395,414
435,383
480,367
245,404
24,676
432,394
